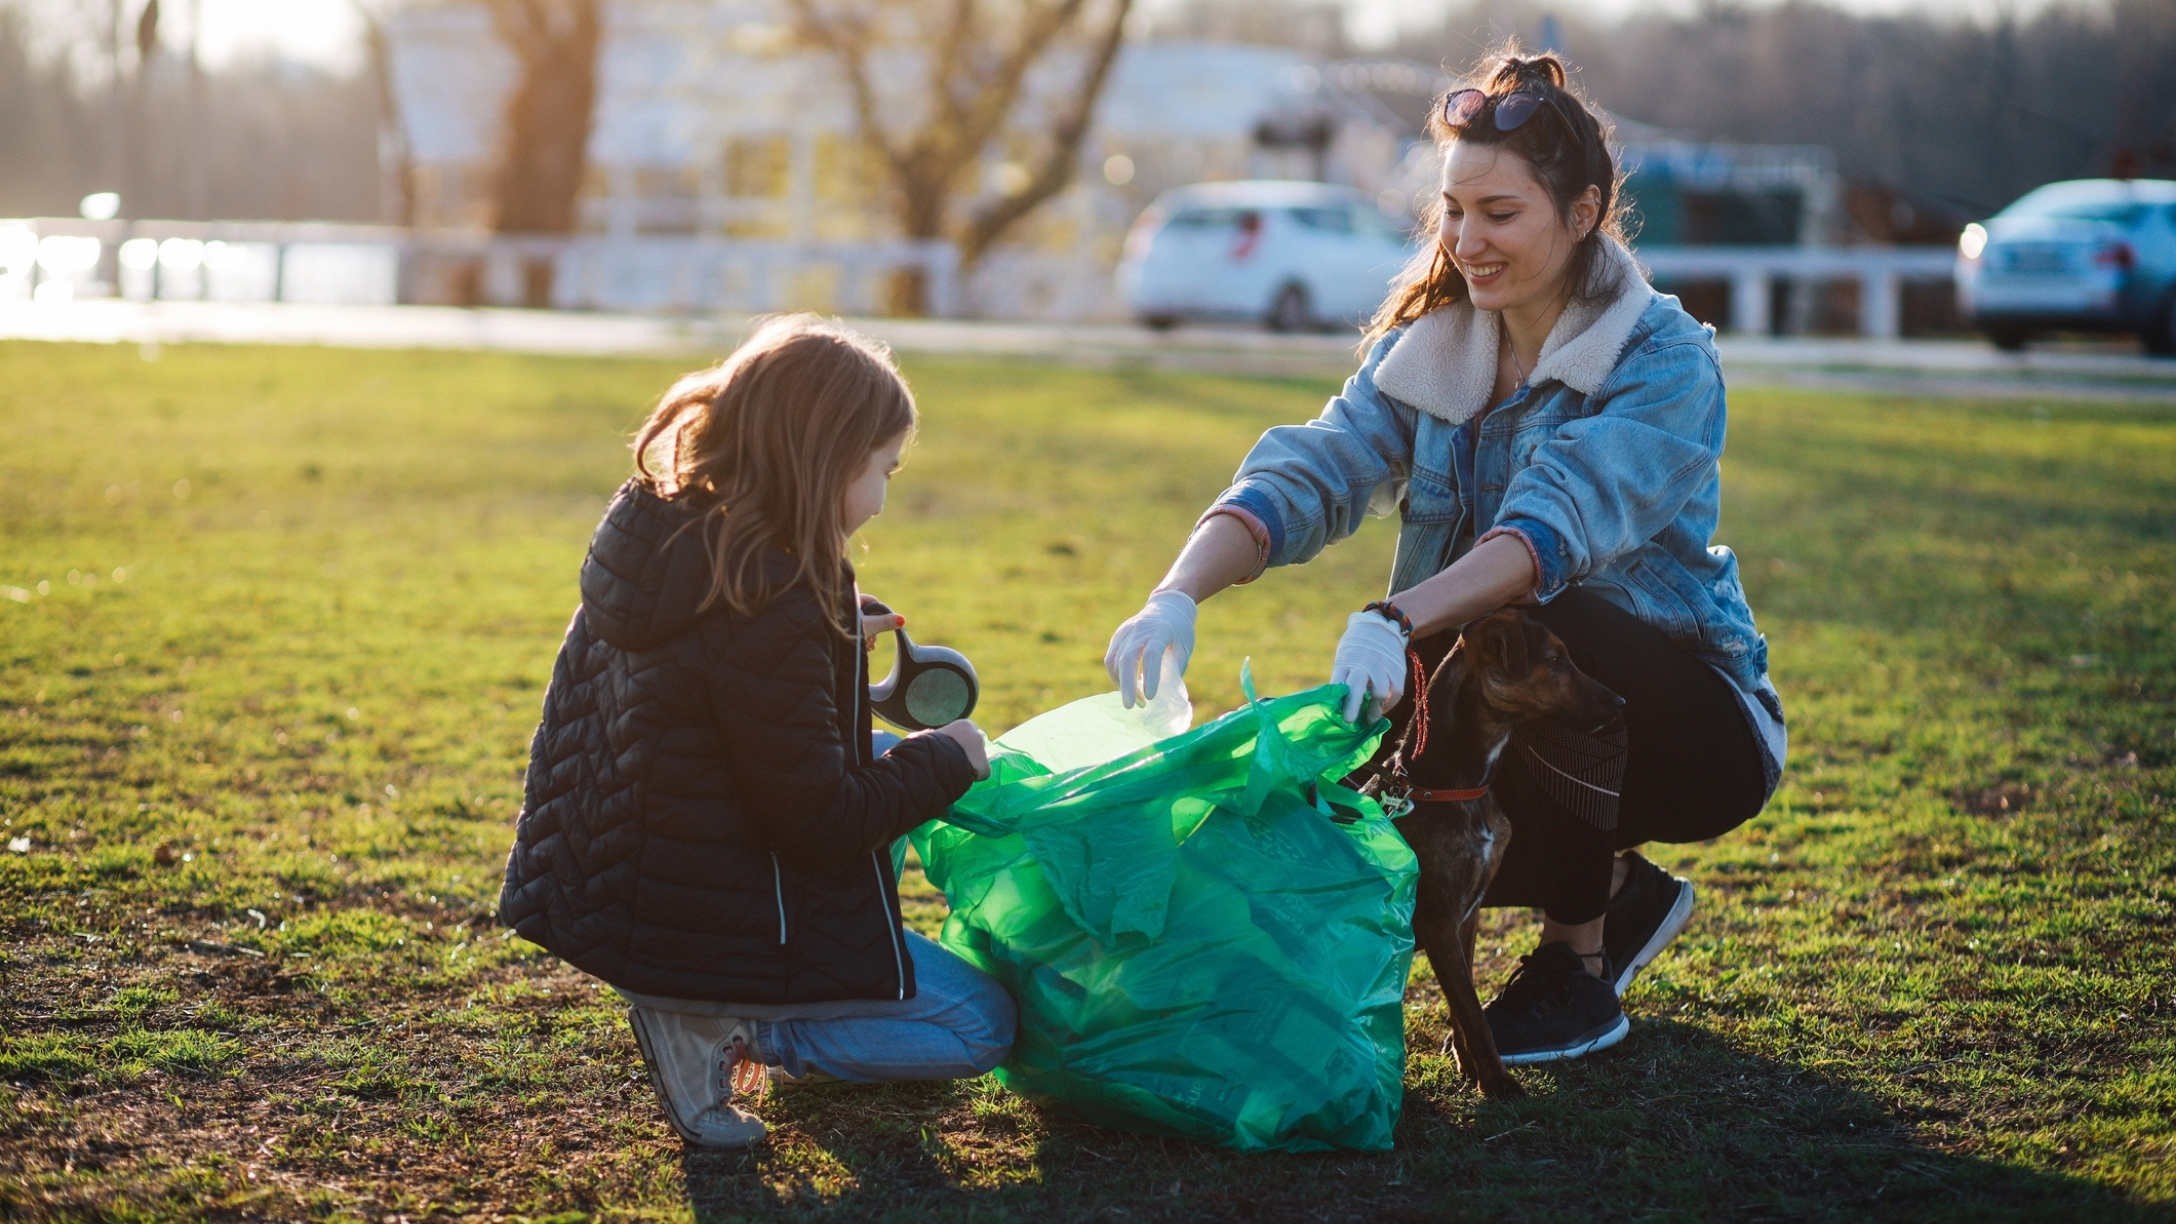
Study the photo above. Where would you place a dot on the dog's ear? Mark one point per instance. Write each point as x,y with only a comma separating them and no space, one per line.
1539,640
1498,641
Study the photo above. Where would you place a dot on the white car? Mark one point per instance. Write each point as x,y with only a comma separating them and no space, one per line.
2087,255
1291,255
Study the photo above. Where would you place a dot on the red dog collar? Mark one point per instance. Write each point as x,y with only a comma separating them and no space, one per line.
1422,794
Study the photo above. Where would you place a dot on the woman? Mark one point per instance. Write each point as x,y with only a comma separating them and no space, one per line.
1548,427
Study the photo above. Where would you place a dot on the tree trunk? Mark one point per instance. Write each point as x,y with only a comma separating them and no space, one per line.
545,141
398,193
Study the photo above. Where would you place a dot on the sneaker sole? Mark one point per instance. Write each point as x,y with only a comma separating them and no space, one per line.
1673,924
1608,1037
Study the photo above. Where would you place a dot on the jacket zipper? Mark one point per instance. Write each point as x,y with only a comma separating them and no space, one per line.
778,881
898,961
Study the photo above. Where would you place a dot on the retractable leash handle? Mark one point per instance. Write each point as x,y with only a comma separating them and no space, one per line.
929,686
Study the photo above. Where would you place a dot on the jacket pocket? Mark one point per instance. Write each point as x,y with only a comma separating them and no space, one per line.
1661,603
1429,498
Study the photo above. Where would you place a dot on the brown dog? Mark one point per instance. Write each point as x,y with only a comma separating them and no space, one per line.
1507,669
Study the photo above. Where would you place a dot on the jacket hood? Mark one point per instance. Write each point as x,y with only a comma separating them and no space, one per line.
1445,364
647,571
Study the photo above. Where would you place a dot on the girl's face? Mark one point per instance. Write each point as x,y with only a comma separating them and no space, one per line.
1502,231
865,491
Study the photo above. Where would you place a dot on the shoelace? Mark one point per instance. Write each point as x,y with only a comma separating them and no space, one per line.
740,1074
1529,989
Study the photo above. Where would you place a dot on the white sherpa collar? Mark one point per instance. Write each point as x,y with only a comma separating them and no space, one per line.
1445,364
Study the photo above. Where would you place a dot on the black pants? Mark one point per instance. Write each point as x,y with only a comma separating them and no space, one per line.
1691,767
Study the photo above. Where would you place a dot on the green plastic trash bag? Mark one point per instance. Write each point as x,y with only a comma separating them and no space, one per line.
1207,936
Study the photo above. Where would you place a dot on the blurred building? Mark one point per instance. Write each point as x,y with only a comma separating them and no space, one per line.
710,121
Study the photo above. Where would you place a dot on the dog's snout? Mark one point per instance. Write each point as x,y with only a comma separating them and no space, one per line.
1609,713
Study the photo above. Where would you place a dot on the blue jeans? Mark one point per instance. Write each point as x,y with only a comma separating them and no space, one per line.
958,1024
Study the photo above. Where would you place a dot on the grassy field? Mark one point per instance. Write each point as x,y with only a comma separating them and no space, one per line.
274,625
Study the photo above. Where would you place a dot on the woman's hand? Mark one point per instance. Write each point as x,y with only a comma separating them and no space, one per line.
967,735
1221,552
1135,659
1370,662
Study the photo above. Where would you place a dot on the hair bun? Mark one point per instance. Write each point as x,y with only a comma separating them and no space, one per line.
1515,71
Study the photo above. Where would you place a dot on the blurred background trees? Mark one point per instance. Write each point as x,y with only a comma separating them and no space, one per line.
977,60
83,108
1975,113
1970,112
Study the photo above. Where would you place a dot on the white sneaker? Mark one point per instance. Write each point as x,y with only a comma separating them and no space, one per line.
697,1065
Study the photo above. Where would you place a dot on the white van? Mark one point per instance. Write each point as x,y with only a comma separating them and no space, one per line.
1291,255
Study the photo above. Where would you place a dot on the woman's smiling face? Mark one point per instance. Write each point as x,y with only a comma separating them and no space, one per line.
1502,230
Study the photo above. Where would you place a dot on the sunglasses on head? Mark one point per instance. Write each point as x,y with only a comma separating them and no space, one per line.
1511,111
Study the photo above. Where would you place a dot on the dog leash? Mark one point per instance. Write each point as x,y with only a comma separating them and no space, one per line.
1420,706
1410,794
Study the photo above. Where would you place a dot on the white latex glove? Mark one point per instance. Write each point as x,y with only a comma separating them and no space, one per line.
1136,657
1370,661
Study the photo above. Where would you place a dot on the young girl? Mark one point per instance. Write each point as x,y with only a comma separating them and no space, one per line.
705,825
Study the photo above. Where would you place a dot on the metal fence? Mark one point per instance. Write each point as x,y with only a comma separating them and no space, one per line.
1754,274
51,259
58,259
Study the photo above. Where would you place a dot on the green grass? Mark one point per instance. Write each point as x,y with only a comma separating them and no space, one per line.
262,733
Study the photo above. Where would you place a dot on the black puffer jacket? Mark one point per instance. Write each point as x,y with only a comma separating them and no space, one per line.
702,816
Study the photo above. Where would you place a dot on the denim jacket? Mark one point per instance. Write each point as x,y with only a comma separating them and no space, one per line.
1604,463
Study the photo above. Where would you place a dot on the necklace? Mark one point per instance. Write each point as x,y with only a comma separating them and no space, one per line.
1513,351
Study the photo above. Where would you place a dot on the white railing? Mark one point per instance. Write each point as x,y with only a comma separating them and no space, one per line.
57,258
1752,271
61,258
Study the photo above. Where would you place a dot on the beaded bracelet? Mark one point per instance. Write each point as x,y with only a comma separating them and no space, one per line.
1389,612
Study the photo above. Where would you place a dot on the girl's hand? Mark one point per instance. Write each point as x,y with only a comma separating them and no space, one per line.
876,625
969,736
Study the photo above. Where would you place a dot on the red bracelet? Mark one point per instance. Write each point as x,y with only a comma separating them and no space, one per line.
1390,612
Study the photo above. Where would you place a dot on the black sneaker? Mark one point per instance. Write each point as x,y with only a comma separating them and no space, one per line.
1642,919
1553,1008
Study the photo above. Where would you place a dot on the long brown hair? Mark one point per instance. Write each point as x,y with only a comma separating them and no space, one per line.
1566,145
767,441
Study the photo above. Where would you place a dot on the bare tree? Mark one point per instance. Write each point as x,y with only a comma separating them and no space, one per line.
977,67
396,161
545,142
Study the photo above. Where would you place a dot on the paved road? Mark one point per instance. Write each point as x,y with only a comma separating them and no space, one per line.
1920,367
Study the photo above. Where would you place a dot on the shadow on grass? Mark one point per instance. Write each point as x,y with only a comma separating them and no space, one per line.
1672,1124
